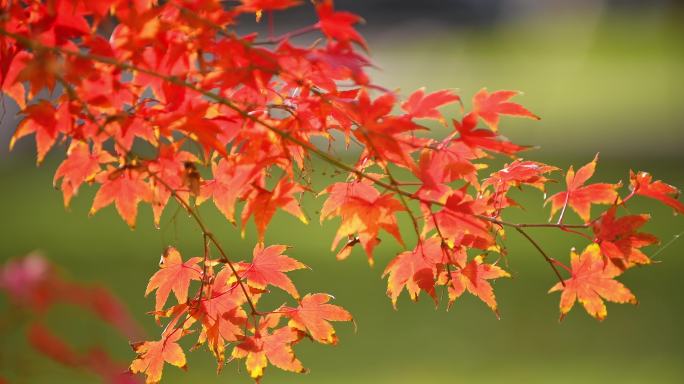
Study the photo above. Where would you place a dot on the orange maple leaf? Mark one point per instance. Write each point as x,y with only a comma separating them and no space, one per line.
474,277
592,281
266,346
153,354
314,314
263,204
173,275
414,270
268,267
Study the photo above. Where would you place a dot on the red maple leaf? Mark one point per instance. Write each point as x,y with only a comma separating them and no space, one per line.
489,106
364,211
46,122
422,106
231,181
619,240
483,139
338,25
592,281
125,187
458,223
580,197
80,166
263,204
642,184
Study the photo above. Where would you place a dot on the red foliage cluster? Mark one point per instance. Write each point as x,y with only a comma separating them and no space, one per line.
161,101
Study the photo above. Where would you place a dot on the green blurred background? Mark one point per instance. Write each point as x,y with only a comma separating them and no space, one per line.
603,77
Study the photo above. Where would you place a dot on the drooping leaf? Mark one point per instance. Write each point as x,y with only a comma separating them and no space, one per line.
152,355
619,240
364,211
641,184
338,25
80,166
125,188
592,281
415,270
174,276
580,197
268,267
262,204
422,106
474,277
489,106
267,346
314,314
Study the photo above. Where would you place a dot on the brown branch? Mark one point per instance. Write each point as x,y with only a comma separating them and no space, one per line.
546,257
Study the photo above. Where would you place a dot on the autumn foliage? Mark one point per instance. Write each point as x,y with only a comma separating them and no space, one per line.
163,102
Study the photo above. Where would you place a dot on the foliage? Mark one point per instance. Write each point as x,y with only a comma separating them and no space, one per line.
165,101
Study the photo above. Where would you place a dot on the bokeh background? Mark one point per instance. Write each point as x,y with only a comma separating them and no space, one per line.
604,75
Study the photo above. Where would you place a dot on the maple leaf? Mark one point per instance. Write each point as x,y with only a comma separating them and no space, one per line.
221,314
474,277
314,314
415,270
338,25
231,181
517,173
580,197
422,106
489,106
364,211
12,63
268,267
437,168
483,139
152,355
173,275
123,187
387,138
458,223
592,281
266,346
641,184
80,166
46,122
263,203
619,239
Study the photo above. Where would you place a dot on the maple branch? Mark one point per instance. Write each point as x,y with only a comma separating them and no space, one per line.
546,257
282,134
296,33
206,233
